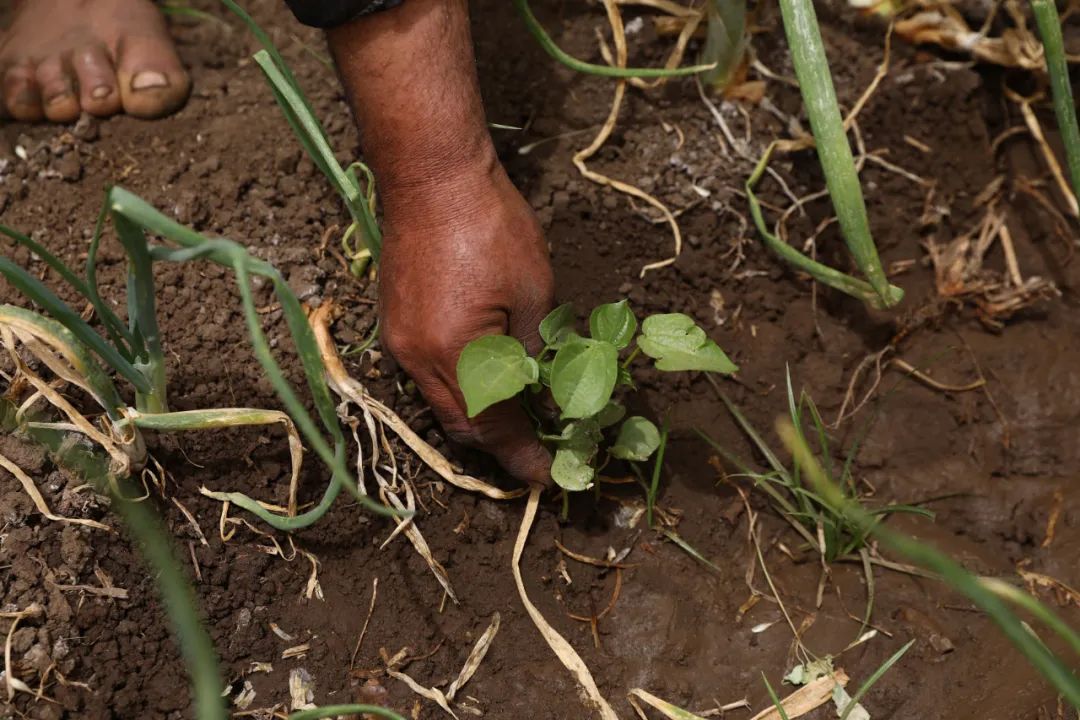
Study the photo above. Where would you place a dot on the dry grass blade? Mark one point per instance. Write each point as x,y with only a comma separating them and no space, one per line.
809,697
566,654
367,620
435,695
39,501
959,272
596,562
1052,163
121,457
619,34
114,593
480,649
351,390
941,24
14,684
669,711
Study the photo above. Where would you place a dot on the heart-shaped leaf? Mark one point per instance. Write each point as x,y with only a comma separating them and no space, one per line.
614,322
571,469
492,369
558,326
583,375
676,343
612,413
638,439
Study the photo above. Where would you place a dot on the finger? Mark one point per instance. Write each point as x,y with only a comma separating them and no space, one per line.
532,306
506,432
503,431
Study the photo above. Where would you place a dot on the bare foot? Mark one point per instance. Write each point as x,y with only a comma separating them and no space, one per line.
60,57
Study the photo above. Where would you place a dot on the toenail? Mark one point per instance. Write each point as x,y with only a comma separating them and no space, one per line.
59,97
101,91
149,79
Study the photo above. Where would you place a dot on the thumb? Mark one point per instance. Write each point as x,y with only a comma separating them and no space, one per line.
507,434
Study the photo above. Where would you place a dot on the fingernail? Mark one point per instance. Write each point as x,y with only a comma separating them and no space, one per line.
101,91
148,79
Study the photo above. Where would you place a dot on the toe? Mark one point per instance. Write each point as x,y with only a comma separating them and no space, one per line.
22,97
152,80
57,87
98,91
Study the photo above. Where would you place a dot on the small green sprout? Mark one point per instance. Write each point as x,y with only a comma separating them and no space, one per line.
582,374
725,41
831,534
1049,23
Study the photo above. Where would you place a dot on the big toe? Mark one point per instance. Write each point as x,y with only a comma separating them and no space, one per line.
152,80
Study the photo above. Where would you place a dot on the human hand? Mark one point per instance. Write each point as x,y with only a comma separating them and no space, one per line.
464,257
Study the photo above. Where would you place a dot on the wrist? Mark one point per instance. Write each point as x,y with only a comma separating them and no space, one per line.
434,184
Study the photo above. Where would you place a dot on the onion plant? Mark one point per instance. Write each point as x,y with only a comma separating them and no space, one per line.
994,597
358,197
69,337
725,41
837,163
1046,18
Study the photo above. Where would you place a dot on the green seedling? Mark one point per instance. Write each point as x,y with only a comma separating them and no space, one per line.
1049,23
582,373
725,41
828,533
992,596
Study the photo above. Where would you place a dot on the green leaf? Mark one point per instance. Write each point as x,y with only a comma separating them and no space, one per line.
676,343
614,322
638,439
492,369
583,375
612,413
558,326
626,377
571,469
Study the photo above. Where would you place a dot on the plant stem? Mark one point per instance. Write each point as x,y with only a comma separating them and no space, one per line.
630,358
824,274
725,40
654,485
142,315
834,152
573,63
1046,17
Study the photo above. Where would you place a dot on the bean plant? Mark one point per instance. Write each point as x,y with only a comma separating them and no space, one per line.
582,373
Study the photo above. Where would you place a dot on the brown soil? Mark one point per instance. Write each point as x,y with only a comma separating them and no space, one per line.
226,164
